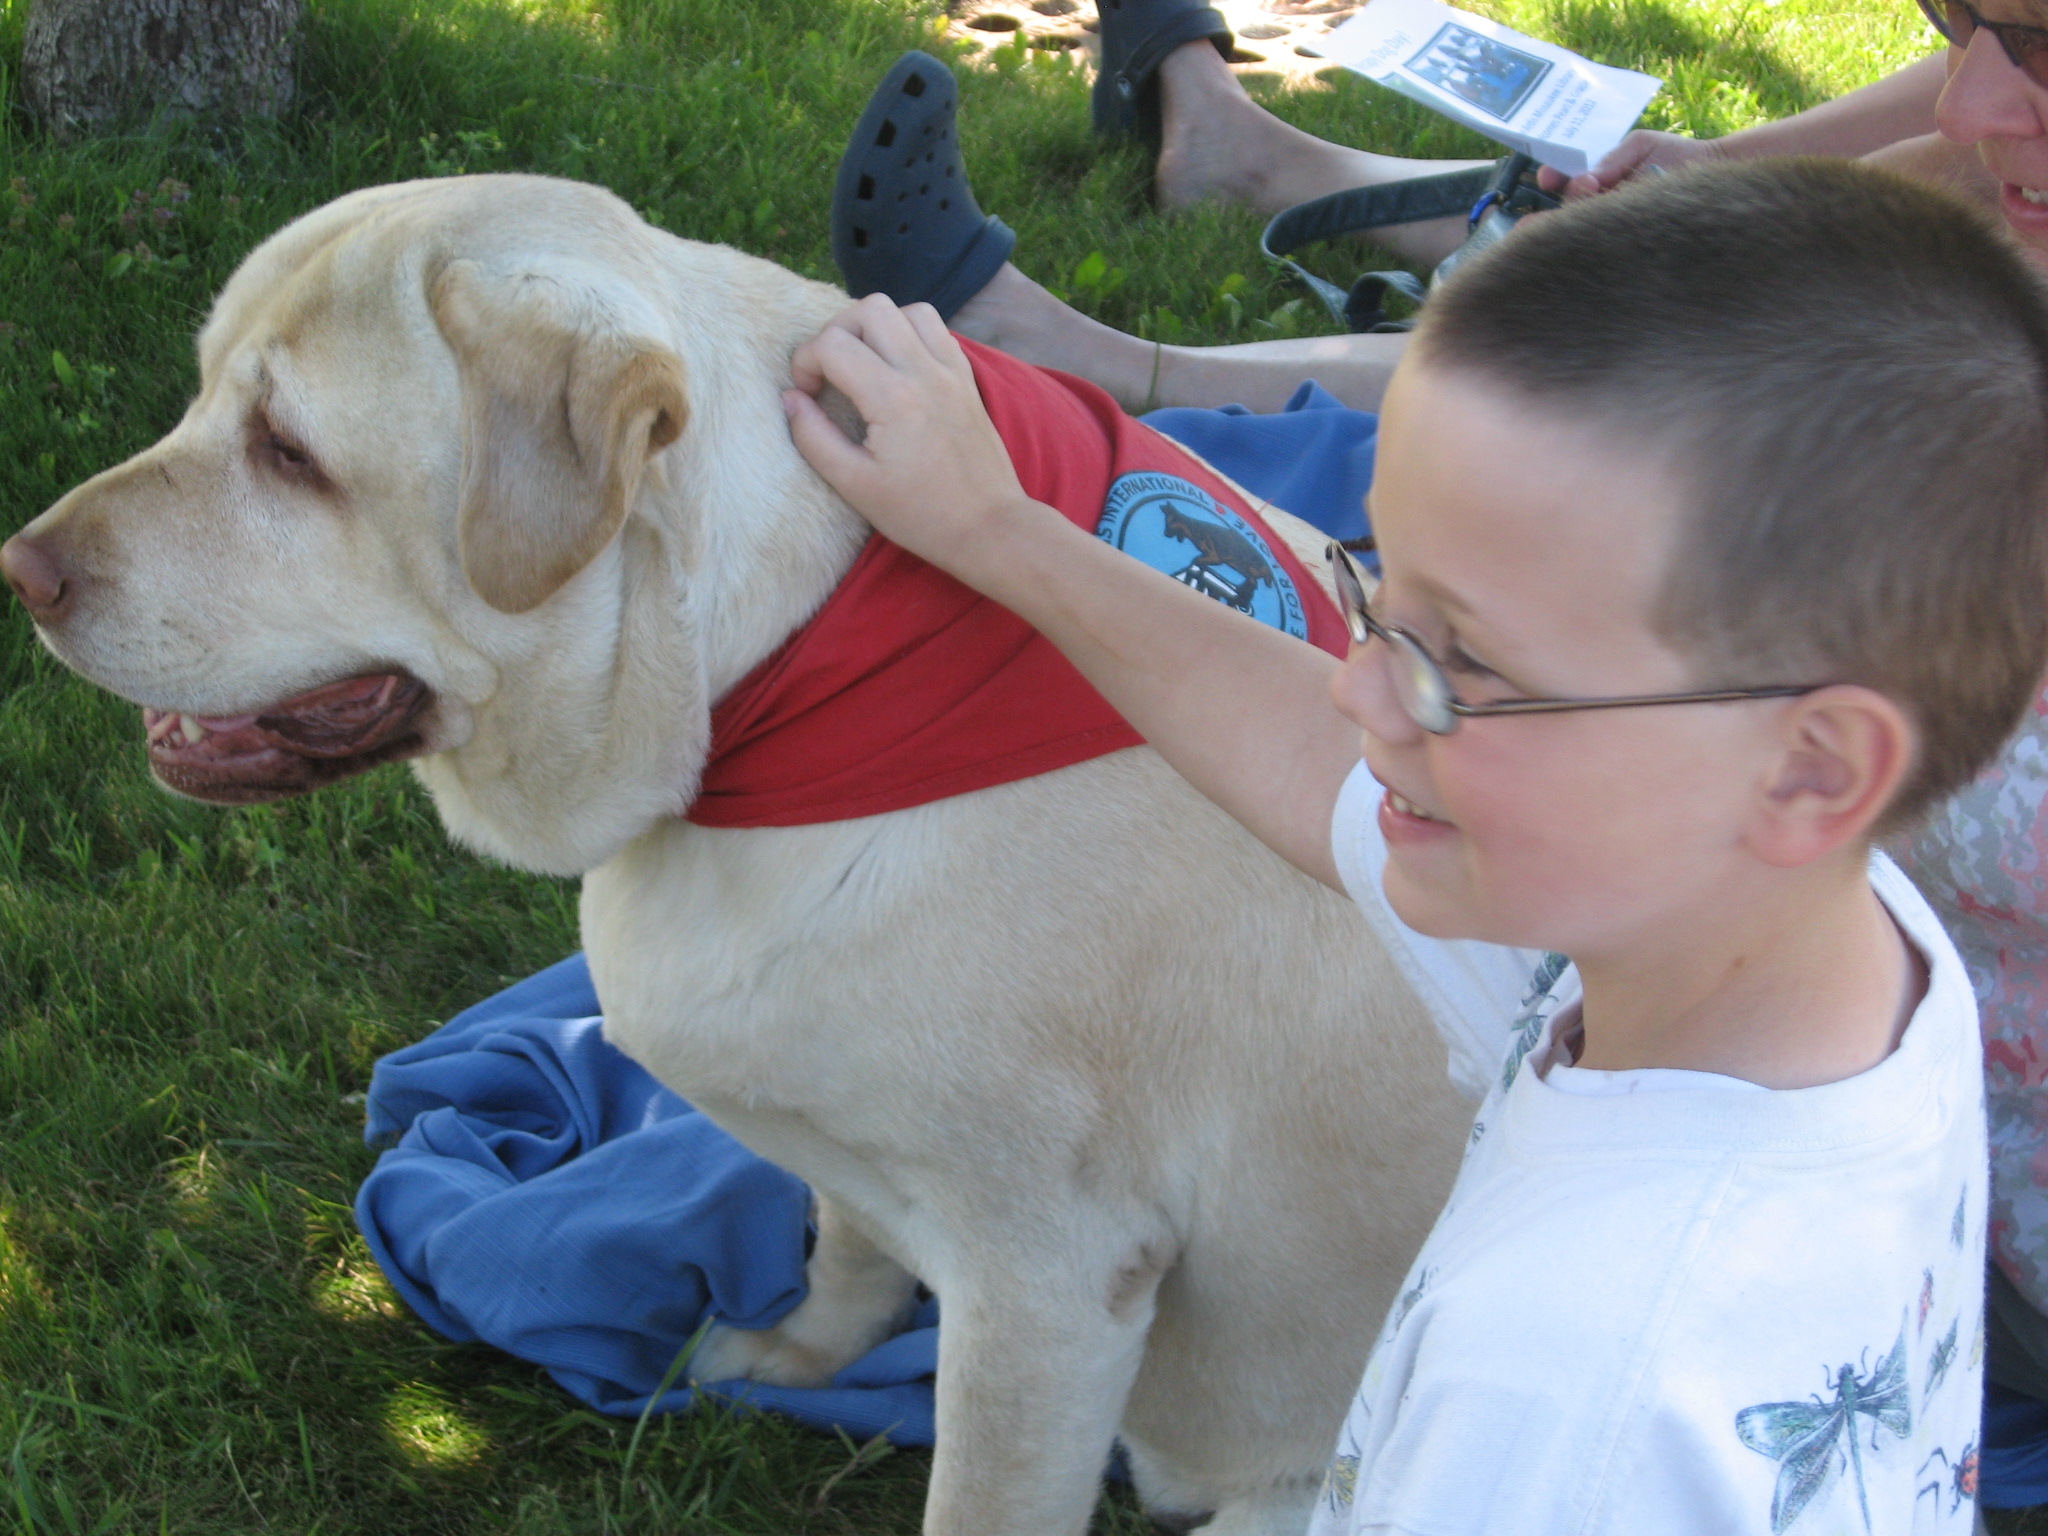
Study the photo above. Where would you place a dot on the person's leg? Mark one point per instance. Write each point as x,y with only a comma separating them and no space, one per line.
908,225
1017,316
1217,143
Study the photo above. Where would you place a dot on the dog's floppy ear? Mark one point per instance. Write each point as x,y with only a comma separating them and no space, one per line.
561,411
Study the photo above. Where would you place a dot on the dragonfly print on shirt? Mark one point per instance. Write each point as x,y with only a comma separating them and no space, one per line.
1528,1025
1818,1440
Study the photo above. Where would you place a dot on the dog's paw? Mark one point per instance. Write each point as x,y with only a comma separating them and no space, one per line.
761,1354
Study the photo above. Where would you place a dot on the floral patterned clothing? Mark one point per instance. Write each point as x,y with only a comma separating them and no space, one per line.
1982,861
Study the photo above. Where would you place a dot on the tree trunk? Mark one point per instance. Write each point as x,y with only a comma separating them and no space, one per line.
87,64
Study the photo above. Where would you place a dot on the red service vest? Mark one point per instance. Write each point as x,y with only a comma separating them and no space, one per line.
908,687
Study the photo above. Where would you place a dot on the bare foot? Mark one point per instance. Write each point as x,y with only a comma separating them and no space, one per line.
1217,143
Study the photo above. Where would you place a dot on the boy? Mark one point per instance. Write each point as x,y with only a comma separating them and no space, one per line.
1660,650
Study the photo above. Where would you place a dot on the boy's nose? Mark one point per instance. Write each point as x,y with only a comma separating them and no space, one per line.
1988,96
1364,695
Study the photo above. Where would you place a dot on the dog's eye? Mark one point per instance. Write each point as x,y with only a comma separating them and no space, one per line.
285,458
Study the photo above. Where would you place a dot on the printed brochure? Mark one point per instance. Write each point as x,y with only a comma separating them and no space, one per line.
1546,101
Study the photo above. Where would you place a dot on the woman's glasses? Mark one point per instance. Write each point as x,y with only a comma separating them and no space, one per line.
1958,21
1425,691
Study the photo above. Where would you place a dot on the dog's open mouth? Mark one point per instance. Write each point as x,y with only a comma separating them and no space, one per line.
299,745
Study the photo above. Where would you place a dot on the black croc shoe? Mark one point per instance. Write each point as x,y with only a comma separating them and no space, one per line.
903,220
1137,35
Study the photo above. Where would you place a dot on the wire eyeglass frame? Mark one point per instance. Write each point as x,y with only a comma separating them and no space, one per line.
1424,688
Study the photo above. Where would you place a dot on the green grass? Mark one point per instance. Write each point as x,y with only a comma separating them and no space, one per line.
192,1335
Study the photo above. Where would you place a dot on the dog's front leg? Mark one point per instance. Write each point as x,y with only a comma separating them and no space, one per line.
857,1296
1035,1363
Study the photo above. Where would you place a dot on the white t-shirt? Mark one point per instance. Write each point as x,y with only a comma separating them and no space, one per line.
1674,1302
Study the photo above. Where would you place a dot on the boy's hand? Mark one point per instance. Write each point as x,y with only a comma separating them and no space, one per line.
1243,711
932,475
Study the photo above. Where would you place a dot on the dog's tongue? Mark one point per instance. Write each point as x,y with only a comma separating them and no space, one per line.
289,748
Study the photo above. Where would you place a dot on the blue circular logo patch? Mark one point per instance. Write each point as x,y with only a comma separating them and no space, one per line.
1178,528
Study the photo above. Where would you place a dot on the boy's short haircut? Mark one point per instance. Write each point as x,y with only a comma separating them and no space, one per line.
1848,373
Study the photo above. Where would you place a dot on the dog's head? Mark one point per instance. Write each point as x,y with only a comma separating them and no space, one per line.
408,516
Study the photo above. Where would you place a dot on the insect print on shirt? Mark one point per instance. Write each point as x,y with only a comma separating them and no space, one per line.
1548,969
1528,1024
1405,1302
1340,1483
1960,1483
1938,1362
1926,1298
1816,1441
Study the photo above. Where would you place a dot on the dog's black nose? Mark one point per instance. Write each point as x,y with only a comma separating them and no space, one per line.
43,585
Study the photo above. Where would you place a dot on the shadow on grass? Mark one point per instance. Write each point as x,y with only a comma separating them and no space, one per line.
1657,38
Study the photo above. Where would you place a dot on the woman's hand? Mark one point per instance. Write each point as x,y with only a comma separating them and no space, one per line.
1643,152
932,475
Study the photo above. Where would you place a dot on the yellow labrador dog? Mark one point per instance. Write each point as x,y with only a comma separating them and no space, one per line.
489,474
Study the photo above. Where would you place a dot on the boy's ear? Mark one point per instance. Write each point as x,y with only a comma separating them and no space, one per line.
1844,751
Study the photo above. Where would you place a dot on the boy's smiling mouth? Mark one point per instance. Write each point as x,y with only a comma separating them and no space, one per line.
1401,805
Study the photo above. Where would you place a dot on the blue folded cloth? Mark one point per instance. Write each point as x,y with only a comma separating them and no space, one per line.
1313,459
546,1196
2012,1468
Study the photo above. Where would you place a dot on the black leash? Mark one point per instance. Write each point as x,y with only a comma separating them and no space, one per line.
1490,197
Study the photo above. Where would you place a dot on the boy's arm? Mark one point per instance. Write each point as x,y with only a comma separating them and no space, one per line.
1242,711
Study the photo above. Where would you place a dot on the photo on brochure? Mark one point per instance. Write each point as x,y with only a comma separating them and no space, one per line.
1482,71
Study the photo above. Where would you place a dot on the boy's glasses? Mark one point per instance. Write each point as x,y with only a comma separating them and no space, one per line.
1958,21
1425,692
